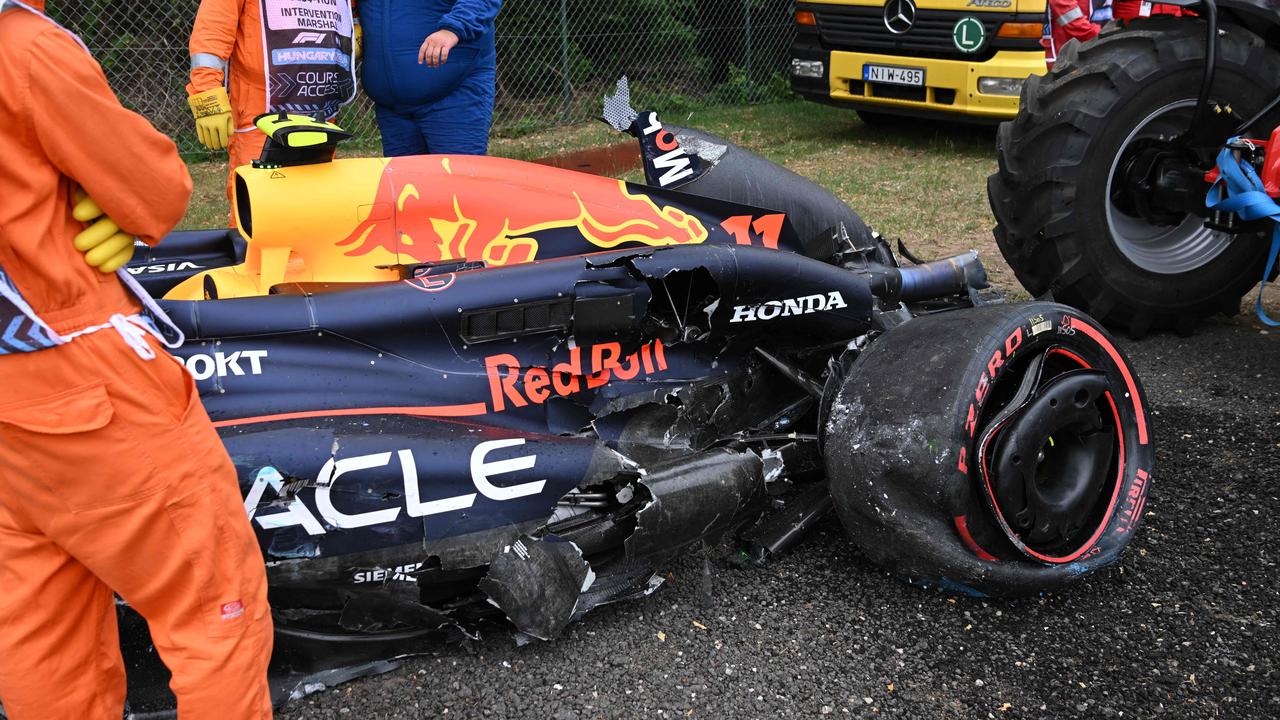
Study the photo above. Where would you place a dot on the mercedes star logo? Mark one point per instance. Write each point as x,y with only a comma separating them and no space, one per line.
899,15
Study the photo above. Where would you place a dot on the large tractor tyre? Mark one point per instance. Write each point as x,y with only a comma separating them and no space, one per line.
1014,456
1061,224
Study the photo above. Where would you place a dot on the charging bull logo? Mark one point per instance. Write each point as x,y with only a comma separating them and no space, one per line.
491,209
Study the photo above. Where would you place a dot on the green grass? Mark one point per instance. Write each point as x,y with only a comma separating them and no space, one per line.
922,182
209,208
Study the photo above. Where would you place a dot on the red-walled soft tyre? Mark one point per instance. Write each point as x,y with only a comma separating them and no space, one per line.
1002,450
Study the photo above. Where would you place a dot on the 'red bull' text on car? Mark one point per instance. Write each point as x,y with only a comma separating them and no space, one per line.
464,390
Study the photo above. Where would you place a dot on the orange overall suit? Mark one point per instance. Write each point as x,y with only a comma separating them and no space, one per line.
112,479
227,50
228,36
1067,20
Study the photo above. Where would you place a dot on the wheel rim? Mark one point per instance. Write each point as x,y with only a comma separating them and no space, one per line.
1167,250
1052,459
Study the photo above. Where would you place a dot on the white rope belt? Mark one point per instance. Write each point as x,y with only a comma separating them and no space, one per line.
136,327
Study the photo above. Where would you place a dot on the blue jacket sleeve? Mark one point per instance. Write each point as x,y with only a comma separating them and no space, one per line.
470,19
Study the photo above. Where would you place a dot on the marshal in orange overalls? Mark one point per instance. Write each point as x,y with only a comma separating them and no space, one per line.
227,45
112,479
230,32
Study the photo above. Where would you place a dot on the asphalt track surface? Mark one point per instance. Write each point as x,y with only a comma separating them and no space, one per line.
1183,626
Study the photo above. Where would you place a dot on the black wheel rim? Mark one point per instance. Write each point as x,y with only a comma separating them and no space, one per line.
1052,457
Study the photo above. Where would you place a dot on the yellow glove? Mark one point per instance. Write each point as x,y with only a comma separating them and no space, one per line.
212,111
103,245
357,43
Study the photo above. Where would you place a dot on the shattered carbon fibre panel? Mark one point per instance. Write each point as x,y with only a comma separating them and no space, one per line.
377,611
617,581
695,499
536,583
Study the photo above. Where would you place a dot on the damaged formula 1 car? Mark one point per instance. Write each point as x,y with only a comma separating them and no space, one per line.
467,388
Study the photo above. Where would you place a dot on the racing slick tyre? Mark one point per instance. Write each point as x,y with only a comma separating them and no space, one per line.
1013,456
1066,222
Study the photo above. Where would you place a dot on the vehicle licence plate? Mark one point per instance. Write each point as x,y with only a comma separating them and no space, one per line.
893,75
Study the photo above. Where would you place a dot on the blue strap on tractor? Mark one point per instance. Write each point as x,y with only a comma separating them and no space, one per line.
1245,196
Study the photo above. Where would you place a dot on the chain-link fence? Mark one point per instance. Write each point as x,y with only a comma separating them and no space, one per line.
556,58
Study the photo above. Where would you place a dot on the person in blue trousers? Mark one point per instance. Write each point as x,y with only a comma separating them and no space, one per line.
430,68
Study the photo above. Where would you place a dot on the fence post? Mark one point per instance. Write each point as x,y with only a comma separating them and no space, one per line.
564,60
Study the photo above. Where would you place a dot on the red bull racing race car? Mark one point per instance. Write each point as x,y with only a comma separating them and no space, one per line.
466,391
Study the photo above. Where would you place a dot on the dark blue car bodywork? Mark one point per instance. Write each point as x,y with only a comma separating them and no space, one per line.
524,443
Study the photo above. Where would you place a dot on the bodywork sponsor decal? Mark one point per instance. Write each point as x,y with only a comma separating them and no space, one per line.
486,474
241,362
773,309
399,573
432,283
157,268
670,164
513,384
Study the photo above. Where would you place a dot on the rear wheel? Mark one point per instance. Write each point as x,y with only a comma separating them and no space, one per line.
1072,216
1014,457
